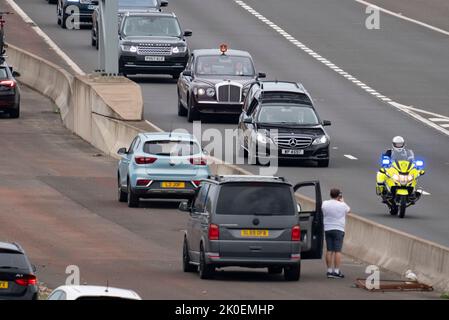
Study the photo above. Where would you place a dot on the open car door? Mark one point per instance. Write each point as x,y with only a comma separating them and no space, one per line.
308,196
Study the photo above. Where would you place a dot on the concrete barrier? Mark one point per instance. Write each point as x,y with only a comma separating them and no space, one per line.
99,111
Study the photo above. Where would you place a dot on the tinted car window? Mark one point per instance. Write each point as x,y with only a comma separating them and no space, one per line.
288,114
12,259
55,295
255,198
224,66
172,148
3,73
158,26
200,200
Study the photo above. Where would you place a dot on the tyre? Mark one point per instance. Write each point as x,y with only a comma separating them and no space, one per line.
182,112
15,113
122,196
58,9
186,266
206,270
132,198
323,163
274,270
192,114
402,207
292,273
93,41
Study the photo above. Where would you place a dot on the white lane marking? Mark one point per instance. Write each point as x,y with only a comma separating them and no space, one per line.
154,126
350,157
45,37
438,119
444,125
400,16
406,109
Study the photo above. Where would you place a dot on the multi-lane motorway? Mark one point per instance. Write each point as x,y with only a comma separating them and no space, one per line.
403,61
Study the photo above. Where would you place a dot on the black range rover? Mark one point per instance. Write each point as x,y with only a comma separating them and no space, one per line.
279,119
152,43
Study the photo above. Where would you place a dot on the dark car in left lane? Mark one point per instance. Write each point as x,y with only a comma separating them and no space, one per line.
215,82
17,275
80,10
9,91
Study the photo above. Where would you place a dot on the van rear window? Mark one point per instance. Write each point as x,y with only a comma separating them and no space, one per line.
256,199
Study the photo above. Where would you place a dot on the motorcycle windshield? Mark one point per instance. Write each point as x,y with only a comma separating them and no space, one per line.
404,155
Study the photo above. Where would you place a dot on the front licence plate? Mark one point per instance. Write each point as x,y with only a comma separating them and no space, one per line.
294,152
150,58
3,284
91,7
173,185
254,233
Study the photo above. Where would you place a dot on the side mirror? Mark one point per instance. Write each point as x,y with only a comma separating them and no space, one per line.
422,172
261,75
382,170
187,73
34,268
164,3
187,33
122,151
326,123
16,74
184,207
248,120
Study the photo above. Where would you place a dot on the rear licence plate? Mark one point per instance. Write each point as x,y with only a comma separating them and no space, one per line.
150,58
254,233
3,284
294,152
173,185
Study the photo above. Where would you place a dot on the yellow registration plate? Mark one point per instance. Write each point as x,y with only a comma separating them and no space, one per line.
173,185
254,233
3,284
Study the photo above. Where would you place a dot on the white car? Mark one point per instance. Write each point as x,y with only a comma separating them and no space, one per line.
92,293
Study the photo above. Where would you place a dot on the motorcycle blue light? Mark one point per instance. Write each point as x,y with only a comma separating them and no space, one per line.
419,163
385,161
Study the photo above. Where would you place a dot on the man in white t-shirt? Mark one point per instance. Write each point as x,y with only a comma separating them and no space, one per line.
334,214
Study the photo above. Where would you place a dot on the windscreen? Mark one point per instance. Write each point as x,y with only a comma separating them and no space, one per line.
224,65
172,148
3,73
12,260
256,199
137,3
147,26
287,114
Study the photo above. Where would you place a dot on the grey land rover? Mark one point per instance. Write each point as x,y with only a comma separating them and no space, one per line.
252,221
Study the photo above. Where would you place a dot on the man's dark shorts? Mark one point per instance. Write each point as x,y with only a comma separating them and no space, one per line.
334,240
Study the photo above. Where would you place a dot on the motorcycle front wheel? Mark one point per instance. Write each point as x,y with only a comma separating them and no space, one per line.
402,207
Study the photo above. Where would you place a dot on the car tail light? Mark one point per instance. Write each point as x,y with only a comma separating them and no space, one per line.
27,280
196,183
145,160
214,232
8,83
296,233
198,161
143,182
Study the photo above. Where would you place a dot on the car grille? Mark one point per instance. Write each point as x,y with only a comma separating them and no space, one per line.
153,51
229,93
293,141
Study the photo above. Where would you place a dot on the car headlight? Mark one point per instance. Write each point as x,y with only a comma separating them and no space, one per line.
201,92
129,48
320,140
262,138
176,50
210,92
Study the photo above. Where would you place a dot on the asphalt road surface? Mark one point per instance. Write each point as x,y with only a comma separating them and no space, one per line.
402,60
58,200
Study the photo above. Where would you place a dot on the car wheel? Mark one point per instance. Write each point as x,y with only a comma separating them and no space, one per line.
292,273
192,114
15,113
58,10
206,270
97,40
182,112
122,196
133,199
394,210
93,41
186,266
274,270
323,163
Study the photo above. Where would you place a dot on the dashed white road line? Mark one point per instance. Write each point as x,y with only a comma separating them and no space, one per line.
46,38
351,157
406,109
400,16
